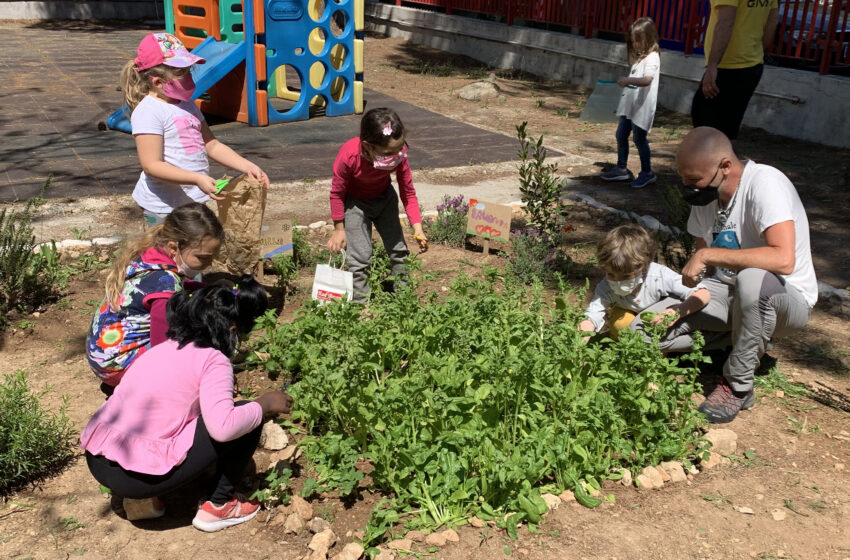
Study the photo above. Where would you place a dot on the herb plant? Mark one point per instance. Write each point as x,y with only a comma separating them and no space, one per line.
540,186
449,227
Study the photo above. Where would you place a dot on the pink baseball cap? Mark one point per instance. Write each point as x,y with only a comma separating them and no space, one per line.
164,48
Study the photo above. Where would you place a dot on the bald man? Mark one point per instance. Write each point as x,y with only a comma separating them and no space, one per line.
752,253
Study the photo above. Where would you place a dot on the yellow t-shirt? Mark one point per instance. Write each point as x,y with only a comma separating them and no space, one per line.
745,47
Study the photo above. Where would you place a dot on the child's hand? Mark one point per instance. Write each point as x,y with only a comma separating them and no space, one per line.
337,241
623,82
663,317
419,236
207,184
254,171
274,403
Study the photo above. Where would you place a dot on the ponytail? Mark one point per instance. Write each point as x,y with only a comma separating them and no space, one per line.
136,85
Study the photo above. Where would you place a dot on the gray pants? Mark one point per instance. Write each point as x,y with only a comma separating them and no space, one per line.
360,214
712,321
760,306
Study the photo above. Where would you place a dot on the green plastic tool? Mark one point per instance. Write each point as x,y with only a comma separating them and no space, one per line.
220,184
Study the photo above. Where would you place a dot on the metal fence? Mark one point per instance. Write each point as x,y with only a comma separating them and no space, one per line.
812,34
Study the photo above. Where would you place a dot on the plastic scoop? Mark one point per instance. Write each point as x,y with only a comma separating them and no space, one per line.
220,184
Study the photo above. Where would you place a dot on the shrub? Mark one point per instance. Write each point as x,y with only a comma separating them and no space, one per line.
449,227
27,278
678,247
540,187
34,443
530,253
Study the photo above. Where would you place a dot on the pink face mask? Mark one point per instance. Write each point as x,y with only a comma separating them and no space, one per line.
389,162
182,89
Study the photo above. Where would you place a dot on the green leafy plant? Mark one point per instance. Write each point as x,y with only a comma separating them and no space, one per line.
449,227
468,401
286,270
34,443
275,487
539,186
678,246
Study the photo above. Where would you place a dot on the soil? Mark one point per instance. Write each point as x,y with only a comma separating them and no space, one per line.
799,448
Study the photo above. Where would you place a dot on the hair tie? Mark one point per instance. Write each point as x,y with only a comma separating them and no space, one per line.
191,294
235,289
388,128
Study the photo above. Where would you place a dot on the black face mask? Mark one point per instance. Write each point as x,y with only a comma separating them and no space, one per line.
698,197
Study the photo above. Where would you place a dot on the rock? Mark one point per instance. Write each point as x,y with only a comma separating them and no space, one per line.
567,496
627,477
714,459
321,542
839,466
319,224
675,471
743,509
273,437
435,539
351,551
552,501
400,544
317,525
359,535
101,241
649,478
284,454
316,555
415,536
723,441
385,555
479,90
693,470
300,506
293,524
450,535
477,523
665,477
778,514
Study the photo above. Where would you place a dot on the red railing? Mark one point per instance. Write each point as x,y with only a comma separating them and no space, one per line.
814,33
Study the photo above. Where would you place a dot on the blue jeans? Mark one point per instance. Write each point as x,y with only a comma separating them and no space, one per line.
623,129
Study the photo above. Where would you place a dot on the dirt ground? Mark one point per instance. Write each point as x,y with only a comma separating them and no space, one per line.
799,448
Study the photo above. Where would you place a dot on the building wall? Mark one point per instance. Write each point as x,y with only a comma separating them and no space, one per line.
82,9
793,103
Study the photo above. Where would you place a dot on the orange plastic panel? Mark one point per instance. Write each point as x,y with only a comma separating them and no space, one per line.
262,107
260,65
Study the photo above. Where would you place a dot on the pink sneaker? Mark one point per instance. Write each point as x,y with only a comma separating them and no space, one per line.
211,518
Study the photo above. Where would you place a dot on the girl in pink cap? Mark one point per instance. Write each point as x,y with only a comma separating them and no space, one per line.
172,138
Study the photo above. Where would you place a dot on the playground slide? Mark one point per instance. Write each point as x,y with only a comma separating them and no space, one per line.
221,59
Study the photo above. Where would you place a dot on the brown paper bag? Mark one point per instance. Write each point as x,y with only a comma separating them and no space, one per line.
241,215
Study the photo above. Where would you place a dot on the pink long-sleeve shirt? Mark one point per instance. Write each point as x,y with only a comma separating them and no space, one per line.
148,424
355,176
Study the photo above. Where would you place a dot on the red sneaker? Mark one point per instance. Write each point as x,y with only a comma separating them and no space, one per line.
211,518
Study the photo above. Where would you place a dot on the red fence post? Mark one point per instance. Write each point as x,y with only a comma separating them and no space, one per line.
826,54
509,12
588,20
690,35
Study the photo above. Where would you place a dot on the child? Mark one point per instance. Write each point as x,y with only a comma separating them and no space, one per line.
131,318
362,194
637,104
633,283
172,138
173,414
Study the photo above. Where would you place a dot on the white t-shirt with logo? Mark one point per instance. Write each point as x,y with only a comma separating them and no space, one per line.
638,103
179,124
659,283
764,197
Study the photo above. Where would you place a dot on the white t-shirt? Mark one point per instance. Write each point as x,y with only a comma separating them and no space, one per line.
179,124
638,103
764,197
660,282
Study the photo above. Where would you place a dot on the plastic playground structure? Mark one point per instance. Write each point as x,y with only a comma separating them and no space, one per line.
270,61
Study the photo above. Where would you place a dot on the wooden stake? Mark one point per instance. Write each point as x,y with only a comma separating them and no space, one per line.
486,245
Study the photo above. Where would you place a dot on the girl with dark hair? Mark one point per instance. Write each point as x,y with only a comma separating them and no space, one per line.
362,194
173,414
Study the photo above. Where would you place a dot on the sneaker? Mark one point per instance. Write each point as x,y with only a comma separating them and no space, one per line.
616,174
723,405
145,508
211,518
644,179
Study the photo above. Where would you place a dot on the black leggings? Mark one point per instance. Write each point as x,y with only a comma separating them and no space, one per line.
231,458
726,111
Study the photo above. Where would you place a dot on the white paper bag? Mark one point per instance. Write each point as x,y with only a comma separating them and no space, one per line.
332,283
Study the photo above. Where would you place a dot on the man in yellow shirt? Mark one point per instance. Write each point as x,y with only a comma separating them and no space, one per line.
738,34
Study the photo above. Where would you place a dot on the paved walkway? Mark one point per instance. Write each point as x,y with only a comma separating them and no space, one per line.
59,80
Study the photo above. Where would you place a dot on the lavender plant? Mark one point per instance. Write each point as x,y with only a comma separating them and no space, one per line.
449,227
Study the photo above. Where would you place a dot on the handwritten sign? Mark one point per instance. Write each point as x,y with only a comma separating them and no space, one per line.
276,238
489,220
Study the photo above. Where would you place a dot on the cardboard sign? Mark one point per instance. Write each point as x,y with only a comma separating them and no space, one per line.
489,220
276,238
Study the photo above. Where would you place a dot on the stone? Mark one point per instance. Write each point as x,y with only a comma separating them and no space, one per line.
567,496
675,471
317,525
385,555
103,241
415,536
693,470
744,509
478,90
714,459
319,224
552,501
665,477
627,479
300,506
293,524
451,535
284,454
778,514
273,437
649,478
839,466
321,542
723,441
351,551
477,523
400,544
435,539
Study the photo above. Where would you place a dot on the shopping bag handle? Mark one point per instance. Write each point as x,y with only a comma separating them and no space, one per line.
330,258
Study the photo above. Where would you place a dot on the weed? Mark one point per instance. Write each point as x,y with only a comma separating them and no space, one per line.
561,112
80,233
790,505
33,442
70,524
775,381
275,487
540,187
449,227
286,270
539,102
718,500
25,324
